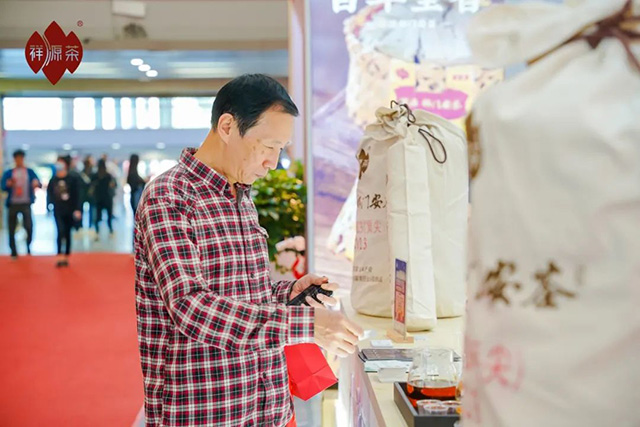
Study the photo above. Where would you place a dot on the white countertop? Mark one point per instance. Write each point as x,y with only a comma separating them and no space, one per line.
447,333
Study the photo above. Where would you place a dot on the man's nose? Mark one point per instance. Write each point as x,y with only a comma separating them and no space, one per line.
272,161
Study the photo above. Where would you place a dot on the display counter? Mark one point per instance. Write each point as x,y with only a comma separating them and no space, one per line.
362,399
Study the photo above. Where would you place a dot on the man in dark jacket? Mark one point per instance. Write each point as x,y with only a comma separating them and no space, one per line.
83,187
20,183
64,196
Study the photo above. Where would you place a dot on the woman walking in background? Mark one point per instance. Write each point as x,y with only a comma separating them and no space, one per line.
104,187
87,174
63,194
136,183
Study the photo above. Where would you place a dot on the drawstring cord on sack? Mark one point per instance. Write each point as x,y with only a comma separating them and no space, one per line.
613,26
426,133
404,109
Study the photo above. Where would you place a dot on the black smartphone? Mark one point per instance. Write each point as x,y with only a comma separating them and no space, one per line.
311,291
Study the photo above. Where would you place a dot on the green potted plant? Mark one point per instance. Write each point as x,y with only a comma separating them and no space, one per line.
281,199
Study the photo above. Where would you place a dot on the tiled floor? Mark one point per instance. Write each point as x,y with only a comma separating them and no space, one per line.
84,240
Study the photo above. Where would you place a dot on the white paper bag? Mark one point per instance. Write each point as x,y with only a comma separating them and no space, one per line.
553,326
412,204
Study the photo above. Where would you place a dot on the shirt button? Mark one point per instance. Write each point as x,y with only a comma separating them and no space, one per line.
263,375
253,275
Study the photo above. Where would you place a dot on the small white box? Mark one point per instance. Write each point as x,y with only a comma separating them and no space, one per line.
381,344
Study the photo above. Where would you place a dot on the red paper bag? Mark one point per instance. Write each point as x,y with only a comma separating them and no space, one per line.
292,423
309,372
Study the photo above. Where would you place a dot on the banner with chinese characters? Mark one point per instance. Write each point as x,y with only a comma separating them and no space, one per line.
54,53
365,53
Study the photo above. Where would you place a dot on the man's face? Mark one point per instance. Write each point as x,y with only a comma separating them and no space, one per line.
19,161
252,156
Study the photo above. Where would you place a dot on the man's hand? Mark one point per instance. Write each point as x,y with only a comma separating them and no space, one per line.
77,215
35,183
335,333
312,279
10,182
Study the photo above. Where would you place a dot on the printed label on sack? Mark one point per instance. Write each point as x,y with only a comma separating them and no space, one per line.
400,298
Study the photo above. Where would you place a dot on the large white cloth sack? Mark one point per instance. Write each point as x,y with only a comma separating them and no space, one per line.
412,204
409,229
553,325
449,205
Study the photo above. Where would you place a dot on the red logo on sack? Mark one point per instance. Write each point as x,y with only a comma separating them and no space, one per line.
54,53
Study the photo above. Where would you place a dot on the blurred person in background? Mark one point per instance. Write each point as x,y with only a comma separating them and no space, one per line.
103,188
20,183
83,187
63,194
136,183
112,166
116,171
86,174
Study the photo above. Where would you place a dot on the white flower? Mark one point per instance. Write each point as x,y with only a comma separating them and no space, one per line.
297,244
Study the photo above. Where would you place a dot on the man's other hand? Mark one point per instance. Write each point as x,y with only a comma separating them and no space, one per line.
335,333
312,279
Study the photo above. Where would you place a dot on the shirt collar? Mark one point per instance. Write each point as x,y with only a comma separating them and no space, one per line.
207,174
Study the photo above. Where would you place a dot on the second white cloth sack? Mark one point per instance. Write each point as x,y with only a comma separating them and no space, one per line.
412,200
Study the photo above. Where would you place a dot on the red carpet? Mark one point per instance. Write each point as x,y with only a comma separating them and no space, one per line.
69,354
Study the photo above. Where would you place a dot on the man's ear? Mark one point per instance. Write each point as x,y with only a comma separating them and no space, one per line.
225,127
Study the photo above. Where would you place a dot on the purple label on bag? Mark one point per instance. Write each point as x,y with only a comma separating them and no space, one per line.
400,298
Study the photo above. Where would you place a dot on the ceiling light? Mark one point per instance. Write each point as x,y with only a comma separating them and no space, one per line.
152,73
136,62
160,145
144,67
115,146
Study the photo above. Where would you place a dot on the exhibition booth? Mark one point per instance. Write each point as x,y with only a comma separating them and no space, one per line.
456,193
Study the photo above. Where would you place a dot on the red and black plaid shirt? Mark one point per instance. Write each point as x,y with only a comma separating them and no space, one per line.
211,324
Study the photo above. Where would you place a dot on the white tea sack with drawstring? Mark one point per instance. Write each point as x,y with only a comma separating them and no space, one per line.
412,196
553,323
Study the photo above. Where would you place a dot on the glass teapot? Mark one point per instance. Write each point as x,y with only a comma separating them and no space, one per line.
432,375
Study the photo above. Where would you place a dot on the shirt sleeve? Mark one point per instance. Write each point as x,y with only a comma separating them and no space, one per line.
34,175
225,323
5,177
76,203
282,290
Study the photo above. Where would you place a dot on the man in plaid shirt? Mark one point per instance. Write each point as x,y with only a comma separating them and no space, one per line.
212,326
